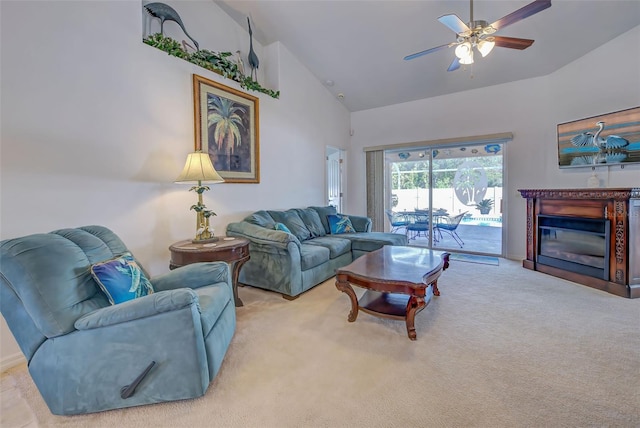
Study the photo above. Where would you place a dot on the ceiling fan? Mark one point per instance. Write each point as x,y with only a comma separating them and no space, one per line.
479,34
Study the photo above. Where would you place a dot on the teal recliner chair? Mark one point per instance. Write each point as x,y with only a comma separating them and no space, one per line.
86,355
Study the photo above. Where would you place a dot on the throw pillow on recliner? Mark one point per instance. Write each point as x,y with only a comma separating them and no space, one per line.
121,279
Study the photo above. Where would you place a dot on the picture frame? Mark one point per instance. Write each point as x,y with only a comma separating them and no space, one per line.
586,143
227,128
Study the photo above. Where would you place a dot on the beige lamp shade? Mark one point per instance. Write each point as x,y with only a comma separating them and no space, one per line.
199,169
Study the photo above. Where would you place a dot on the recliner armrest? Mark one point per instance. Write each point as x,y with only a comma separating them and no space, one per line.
163,301
195,275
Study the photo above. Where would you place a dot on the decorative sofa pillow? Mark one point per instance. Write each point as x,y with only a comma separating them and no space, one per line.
282,227
340,223
121,279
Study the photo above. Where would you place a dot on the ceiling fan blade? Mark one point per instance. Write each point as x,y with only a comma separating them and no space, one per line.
455,64
512,42
522,13
455,24
428,51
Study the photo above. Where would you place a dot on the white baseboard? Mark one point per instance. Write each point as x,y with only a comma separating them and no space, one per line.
11,361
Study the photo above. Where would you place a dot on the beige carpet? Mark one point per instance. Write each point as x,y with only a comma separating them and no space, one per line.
501,347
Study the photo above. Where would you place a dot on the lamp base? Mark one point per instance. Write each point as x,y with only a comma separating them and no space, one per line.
204,241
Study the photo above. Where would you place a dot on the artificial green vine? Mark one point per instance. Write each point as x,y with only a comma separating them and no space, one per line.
217,62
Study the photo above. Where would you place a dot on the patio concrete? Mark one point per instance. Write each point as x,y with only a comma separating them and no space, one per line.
476,238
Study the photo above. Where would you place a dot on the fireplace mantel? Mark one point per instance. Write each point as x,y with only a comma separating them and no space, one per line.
619,205
619,194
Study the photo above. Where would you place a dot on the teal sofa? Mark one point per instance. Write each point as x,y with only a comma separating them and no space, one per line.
292,262
83,352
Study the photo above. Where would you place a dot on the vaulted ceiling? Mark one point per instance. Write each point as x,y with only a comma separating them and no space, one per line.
360,45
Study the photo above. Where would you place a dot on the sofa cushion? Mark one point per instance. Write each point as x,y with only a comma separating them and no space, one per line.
312,255
121,279
311,219
339,223
323,212
292,220
261,218
371,241
337,246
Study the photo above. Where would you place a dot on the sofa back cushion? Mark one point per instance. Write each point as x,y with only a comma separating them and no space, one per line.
261,218
323,213
312,220
294,223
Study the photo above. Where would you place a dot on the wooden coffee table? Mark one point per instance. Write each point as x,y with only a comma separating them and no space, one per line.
399,282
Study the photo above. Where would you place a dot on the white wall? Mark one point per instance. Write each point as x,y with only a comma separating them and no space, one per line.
96,126
603,81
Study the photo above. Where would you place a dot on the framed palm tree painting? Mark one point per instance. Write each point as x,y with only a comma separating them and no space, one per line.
226,127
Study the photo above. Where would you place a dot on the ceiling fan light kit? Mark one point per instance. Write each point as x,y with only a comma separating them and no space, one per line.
478,34
463,50
485,46
466,60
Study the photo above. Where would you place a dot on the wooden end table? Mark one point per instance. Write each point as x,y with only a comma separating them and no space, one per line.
234,251
399,281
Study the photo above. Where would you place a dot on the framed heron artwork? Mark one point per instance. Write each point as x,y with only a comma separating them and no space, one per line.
608,139
227,127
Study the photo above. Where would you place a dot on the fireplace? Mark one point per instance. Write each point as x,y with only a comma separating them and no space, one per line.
574,244
588,236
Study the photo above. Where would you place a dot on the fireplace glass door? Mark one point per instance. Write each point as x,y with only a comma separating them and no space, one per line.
574,244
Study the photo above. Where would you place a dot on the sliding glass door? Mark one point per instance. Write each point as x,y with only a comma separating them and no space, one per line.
449,197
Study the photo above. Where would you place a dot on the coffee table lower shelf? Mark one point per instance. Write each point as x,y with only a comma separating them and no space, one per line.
387,305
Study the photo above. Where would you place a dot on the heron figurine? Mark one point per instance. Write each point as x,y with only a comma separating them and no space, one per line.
254,62
609,143
164,12
186,46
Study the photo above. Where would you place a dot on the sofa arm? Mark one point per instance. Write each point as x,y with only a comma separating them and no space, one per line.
156,303
360,223
261,235
195,275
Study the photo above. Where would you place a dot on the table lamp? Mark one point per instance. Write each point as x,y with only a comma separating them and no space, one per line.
198,170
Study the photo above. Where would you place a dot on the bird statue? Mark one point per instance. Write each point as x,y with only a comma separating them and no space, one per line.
164,12
239,63
587,138
186,46
252,57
